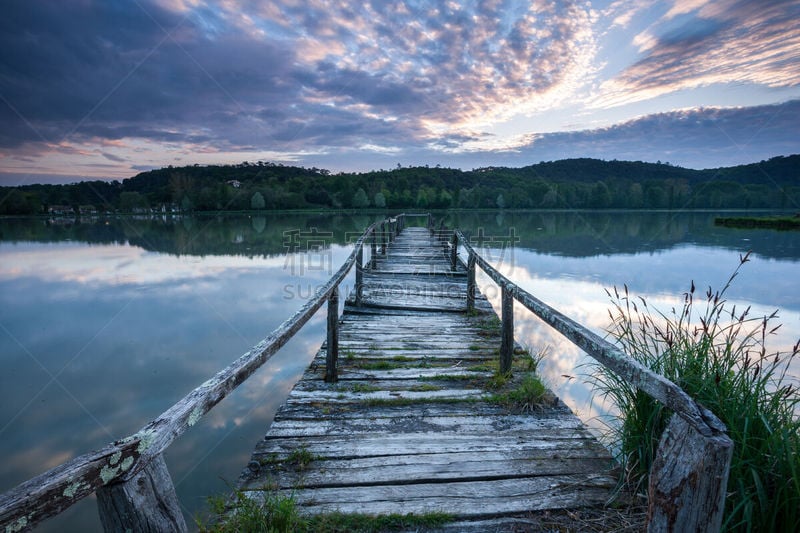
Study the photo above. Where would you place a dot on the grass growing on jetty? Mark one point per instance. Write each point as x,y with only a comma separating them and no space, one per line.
272,512
719,357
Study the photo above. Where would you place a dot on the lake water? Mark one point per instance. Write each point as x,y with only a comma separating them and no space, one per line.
105,324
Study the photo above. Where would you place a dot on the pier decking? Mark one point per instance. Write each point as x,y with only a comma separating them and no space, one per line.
411,425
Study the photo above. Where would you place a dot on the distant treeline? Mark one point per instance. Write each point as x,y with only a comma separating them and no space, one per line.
570,183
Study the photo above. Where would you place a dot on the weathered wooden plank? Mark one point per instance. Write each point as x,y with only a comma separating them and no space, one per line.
464,499
315,386
422,442
428,468
415,357
342,396
319,410
394,422
415,373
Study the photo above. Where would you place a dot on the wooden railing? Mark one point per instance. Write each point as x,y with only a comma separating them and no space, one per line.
134,489
689,475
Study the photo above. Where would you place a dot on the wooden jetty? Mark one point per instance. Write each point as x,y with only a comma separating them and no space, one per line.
397,415
411,424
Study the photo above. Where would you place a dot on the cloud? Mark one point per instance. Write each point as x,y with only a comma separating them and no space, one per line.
697,138
279,74
698,43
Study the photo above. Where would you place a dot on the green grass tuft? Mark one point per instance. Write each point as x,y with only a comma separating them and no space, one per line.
277,513
719,357
363,387
300,458
361,523
378,365
528,394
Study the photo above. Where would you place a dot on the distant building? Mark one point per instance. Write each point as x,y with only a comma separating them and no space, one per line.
234,183
61,210
87,210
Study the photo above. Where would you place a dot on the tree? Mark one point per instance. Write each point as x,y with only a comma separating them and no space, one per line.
550,198
131,201
422,198
635,195
601,196
501,202
380,200
656,197
18,203
186,203
445,199
360,199
257,201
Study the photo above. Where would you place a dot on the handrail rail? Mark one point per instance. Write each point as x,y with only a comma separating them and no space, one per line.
609,355
689,476
119,462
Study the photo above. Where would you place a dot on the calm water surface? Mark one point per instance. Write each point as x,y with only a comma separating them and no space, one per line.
106,323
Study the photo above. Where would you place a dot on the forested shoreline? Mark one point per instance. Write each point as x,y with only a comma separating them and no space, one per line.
569,183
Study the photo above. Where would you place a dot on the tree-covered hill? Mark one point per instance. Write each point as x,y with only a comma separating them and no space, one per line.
569,183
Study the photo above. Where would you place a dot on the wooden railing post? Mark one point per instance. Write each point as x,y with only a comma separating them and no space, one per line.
373,249
454,252
688,480
507,335
359,274
332,350
383,238
471,282
146,502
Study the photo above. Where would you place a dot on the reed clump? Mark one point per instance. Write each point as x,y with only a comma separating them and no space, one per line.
718,355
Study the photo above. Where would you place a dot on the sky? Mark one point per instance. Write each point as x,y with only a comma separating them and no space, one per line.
104,89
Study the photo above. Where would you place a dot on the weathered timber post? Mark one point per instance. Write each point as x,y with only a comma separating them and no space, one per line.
373,250
471,282
688,479
383,238
430,223
146,502
454,252
507,334
359,274
391,231
332,353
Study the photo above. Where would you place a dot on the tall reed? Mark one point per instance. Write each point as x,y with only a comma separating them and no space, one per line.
718,355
